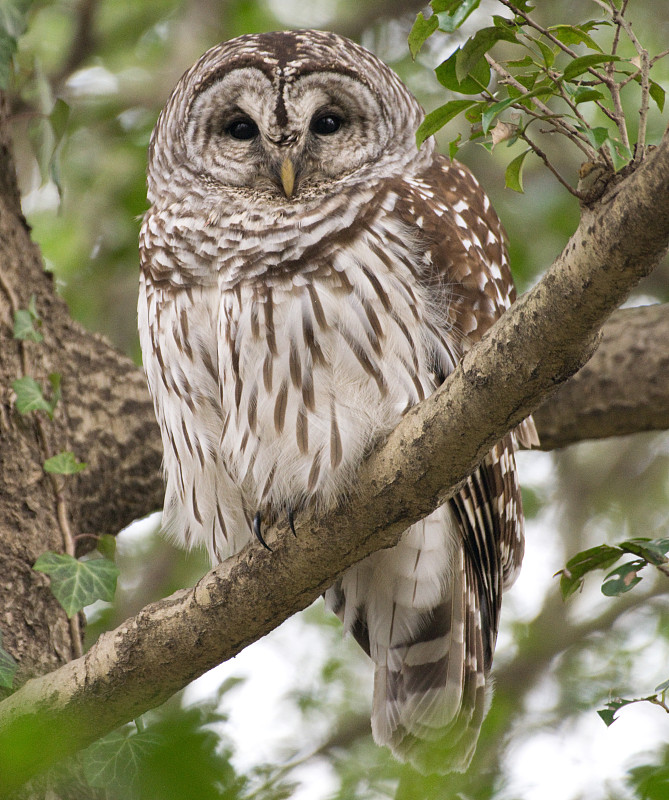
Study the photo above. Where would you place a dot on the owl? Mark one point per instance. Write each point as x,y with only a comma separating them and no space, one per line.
307,275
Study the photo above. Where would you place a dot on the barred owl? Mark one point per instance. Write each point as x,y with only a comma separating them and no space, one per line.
307,275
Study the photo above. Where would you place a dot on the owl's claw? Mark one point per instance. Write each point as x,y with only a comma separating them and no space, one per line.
291,520
258,533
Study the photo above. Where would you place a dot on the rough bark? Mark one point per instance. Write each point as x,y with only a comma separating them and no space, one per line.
544,339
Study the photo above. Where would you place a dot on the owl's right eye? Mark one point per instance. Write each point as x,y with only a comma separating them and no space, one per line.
243,129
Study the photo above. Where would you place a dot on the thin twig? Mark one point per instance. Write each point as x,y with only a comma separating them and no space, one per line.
569,131
547,162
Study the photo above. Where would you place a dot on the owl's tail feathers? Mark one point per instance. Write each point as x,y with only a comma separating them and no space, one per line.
432,694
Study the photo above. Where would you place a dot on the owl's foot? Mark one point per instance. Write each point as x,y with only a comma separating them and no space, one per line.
258,532
291,519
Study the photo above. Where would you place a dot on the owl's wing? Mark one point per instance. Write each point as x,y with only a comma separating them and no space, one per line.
467,272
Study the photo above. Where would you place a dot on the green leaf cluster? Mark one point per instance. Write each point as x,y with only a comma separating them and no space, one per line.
625,576
541,80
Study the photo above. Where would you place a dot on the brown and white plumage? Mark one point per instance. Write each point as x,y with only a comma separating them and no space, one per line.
304,282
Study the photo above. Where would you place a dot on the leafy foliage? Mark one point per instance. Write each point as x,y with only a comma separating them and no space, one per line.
75,583
540,80
624,577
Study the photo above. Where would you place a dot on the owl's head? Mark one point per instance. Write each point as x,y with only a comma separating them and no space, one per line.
282,116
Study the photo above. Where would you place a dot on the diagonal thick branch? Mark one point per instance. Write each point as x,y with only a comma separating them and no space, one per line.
549,333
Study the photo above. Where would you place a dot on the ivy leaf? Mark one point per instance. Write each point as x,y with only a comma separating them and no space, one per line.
451,14
622,579
76,584
64,463
601,557
421,31
580,65
473,83
29,396
513,177
8,667
436,119
24,327
115,760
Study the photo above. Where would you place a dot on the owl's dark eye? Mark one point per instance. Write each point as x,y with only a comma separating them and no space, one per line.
243,129
325,124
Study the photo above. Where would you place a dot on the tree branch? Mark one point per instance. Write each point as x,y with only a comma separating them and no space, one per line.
548,334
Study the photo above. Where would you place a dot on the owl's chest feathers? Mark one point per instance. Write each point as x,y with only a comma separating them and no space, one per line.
317,364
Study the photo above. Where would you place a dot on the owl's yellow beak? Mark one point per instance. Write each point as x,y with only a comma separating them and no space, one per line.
288,176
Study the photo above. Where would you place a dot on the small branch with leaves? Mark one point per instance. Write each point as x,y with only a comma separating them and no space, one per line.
559,75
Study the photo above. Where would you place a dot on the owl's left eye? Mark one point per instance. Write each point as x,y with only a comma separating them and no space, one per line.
243,129
325,124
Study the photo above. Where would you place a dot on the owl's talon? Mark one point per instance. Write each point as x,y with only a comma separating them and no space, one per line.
258,533
291,520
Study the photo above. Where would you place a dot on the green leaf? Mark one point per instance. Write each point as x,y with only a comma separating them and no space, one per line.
572,34
58,118
658,94
452,14
106,546
513,177
421,31
476,81
548,53
612,708
64,463
622,579
24,327
8,667
580,65
601,557
585,94
116,759
29,396
525,61
492,111
661,688
471,54
620,153
654,551
76,584
436,119
596,136
454,146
